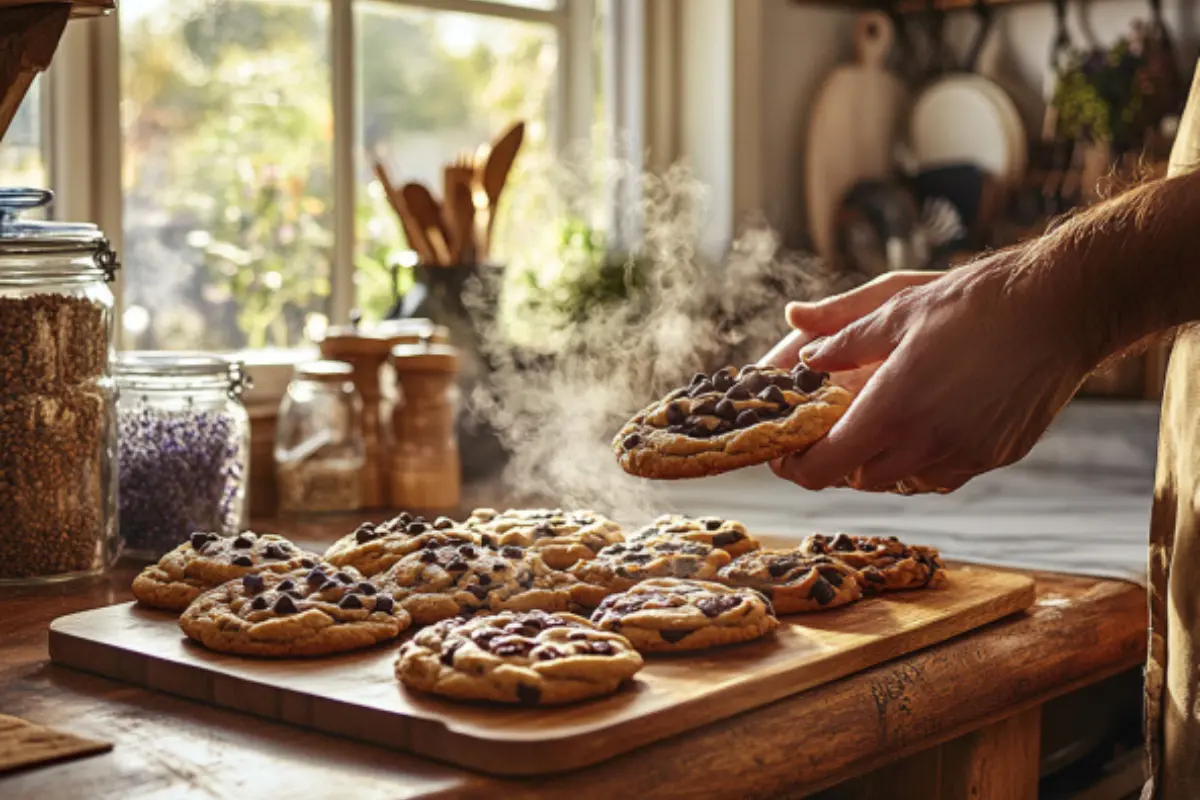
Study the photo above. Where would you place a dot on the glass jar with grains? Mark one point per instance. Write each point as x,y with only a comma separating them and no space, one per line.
319,448
58,477
183,442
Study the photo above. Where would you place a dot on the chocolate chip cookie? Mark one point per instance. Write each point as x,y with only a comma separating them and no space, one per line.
306,612
531,658
207,560
884,563
446,580
728,420
669,615
726,534
620,566
793,581
561,537
372,549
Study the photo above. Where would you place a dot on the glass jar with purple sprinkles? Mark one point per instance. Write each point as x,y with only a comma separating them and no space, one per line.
183,448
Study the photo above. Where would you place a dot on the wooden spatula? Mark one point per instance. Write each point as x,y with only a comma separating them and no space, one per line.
495,171
429,217
412,228
462,213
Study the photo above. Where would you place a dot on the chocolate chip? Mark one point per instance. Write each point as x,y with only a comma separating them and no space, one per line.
783,382
275,551
252,583
480,592
712,524
351,601
737,392
704,387
779,568
415,527
822,592
443,523
343,577
316,577
457,565
746,370
242,542
428,556
542,531
669,547
723,427
489,541
364,533
716,606
843,543
747,418
198,540
639,558
286,585
753,383
673,637
385,603
722,380
366,588
467,551
483,636
499,566
698,378
577,636
512,647
307,563
405,517
675,414
705,408
549,654
259,603
329,586
448,653
773,394
631,441
601,648
285,605
726,410
698,430
243,561
679,430
726,538
528,695
511,552
831,574
868,547
485,579
806,380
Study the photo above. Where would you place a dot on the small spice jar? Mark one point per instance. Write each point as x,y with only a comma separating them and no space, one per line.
57,399
426,472
319,448
184,441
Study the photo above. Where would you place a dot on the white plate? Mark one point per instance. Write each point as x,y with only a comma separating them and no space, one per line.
968,119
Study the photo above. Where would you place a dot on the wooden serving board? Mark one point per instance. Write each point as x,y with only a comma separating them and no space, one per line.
357,696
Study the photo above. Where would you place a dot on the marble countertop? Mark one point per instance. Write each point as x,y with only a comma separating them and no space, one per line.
1079,503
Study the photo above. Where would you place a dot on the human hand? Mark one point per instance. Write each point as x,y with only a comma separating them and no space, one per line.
963,373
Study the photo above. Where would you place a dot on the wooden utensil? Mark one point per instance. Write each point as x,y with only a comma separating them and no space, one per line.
412,227
428,214
354,694
462,213
852,128
495,171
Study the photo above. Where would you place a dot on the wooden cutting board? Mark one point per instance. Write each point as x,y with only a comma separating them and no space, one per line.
357,696
853,127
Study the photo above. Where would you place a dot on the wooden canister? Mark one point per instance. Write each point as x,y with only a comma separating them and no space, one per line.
366,353
426,473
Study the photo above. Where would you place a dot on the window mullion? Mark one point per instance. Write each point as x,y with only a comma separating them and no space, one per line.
345,109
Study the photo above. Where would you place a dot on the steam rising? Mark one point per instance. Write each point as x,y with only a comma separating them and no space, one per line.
557,413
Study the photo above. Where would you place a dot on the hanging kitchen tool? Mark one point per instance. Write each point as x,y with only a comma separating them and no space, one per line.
494,174
966,118
877,229
853,127
428,215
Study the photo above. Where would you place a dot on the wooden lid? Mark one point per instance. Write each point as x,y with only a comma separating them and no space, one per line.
425,358
412,331
325,371
347,341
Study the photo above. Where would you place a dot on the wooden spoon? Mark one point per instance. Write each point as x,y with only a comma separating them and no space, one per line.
462,212
412,228
428,214
495,170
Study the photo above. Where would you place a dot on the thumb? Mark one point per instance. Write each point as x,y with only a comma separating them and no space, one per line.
868,341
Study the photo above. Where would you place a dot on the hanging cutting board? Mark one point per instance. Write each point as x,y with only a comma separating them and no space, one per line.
853,127
357,695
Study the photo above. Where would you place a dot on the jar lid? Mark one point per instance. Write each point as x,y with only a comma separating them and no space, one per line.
345,341
325,371
36,237
146,368
412,331
425,357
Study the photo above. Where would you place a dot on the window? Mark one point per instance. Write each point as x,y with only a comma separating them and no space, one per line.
247,210
22,160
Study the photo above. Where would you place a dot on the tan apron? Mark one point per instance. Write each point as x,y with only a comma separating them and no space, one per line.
1172,672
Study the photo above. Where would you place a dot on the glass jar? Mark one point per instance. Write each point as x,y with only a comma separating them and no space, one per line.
58,480
319,447
183,444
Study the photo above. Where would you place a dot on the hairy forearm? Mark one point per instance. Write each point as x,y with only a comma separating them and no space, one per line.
1128,268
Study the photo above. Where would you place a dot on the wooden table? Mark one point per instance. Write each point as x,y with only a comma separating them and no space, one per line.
962,719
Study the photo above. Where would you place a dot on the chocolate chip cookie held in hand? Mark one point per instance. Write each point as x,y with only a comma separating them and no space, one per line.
529,658
728,420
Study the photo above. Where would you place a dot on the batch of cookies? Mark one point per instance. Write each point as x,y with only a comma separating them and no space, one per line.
535,606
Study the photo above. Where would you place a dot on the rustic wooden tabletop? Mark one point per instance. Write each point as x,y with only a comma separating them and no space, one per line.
965,704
